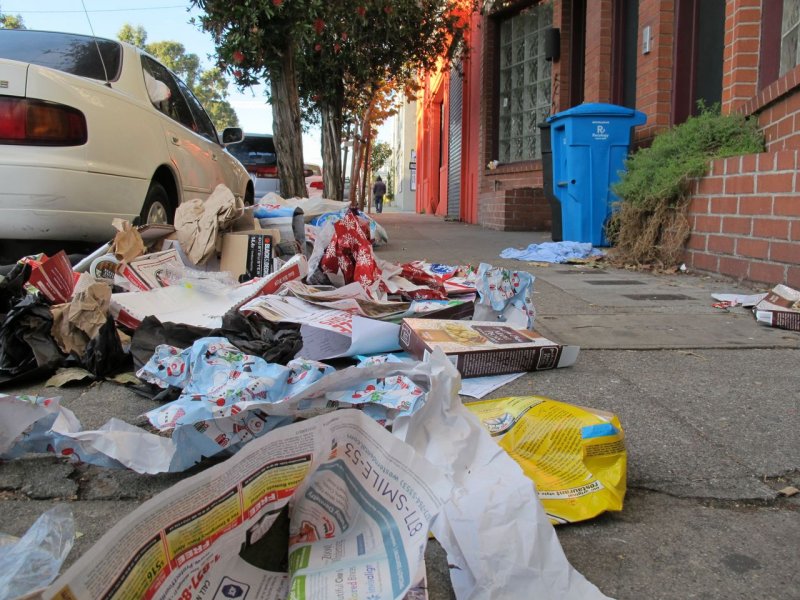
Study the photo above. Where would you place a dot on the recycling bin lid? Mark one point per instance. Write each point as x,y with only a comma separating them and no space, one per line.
597,109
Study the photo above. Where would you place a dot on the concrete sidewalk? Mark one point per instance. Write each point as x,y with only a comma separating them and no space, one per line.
708,398
710,403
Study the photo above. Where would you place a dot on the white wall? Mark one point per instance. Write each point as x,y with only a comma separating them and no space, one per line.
404,152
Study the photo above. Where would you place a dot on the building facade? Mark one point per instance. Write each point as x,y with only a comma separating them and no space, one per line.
478,135
404,158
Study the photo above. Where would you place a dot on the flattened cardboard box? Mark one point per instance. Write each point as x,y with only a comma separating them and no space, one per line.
479,348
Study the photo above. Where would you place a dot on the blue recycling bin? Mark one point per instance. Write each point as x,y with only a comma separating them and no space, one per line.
590,143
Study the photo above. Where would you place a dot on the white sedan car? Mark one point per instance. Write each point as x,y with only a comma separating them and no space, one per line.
92,129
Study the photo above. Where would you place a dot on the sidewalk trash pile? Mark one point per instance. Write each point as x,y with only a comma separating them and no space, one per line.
780,307
346,466
338,502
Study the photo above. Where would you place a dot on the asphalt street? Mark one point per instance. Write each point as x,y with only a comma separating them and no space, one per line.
708,398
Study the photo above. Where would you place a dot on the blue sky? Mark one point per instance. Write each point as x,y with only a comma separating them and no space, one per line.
163,20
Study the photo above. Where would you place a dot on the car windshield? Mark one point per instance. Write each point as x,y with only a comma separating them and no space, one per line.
67,52
255,151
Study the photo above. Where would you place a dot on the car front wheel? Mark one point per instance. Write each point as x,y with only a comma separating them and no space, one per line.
157,209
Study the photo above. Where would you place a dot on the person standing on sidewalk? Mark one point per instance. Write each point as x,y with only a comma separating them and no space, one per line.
378,192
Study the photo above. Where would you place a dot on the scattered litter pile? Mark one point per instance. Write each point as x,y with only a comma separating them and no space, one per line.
334,471
780,307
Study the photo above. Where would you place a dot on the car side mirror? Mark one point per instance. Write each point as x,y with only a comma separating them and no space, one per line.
232,135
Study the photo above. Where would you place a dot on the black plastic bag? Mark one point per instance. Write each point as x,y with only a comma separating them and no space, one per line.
12,287
27,348
104,354
275,343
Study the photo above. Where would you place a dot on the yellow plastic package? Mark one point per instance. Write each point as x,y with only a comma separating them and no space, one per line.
575,456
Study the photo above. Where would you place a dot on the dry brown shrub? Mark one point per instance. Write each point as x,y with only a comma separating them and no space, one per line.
653,238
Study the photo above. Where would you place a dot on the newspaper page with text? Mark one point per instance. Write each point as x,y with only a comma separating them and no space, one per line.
339,500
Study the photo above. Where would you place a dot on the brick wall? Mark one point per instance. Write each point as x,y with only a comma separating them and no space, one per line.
745,219
654,70
597,74
741,52
517,209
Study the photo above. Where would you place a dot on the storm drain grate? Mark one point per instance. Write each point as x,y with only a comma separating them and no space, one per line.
656,296
582,272
616,282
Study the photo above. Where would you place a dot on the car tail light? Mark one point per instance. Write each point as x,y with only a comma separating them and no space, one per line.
260,171
40,123
317,185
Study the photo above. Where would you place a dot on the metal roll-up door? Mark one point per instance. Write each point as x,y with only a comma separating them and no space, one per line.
454,145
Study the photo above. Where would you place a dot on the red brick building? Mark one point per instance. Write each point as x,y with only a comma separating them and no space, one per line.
479,147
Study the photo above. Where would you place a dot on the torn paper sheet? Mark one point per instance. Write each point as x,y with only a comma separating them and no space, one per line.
745,300
352,298
38,425
327,333
337,499
480,387
195,306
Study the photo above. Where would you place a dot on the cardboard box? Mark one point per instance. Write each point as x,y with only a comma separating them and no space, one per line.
249,253
479,348
780,308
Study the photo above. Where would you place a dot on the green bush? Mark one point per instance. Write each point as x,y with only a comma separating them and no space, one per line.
660,174
650,226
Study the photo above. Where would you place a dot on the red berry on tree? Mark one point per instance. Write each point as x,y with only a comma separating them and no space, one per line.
336,48
277,2
319,25
361,10
318,47
238,56
344,36
237,73
387,10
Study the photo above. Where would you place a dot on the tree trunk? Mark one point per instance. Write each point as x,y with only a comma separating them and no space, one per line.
366,191
354,170
344,154
332,151
286,129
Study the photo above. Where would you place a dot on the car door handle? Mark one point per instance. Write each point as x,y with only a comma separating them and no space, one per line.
176,140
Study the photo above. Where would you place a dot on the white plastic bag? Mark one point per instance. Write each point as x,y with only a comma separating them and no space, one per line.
33,562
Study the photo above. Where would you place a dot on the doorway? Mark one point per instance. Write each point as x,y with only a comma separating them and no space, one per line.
698,52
